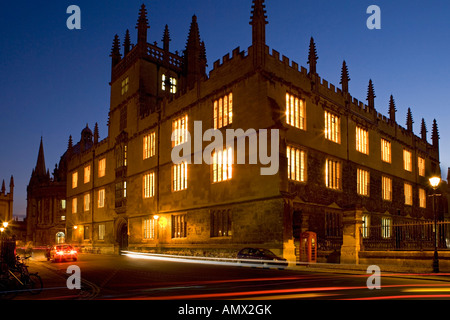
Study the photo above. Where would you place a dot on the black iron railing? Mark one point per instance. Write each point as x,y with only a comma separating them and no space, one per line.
409,236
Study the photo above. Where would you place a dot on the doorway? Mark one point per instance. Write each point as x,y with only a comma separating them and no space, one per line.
122,237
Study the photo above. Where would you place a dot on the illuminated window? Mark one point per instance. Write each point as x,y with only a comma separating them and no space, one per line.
87,201
149,228
101,198
333,174
121,193
179,226
407,160
363,179
179,174
180,130
365,226
74,180
101,231
362,140
169,83
223,111
121,155
221,223
386,227
332,127
125,84
422,198
385,150
222,165
386,188
63,204
149,145
101,167
295,111
149,185
87,174
296,160
408,194
74,205
421,165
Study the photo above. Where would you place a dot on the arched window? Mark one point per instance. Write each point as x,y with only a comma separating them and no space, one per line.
60,238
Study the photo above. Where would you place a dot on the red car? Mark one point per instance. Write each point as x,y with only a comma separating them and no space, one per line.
63,252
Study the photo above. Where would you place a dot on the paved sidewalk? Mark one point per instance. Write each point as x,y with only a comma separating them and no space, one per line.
386,270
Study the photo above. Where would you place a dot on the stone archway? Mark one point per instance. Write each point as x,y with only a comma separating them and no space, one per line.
122,235
60,238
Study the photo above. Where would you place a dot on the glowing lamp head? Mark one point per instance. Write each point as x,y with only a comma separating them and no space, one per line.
5,224
156,217
434,182
2,229
75,227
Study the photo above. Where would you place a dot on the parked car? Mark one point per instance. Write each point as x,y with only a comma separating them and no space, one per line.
62,252
261,256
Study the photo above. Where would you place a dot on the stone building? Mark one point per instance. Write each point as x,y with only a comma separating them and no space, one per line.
6,202
341,163
46,203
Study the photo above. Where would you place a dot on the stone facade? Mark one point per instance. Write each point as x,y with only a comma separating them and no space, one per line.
152,88
6,202
46,204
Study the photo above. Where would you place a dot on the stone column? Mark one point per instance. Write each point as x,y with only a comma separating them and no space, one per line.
352,223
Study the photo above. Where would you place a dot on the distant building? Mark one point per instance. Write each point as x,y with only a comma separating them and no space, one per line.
340,161
6,202
46,203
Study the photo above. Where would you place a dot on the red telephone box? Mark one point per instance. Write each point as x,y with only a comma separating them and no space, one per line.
308,247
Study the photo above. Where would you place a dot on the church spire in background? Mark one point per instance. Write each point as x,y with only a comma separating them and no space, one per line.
40,163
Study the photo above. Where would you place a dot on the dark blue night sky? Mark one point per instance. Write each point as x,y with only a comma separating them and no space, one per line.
54,80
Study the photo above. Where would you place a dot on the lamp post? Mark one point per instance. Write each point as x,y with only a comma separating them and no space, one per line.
434,182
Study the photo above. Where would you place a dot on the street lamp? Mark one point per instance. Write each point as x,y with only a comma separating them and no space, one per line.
434,182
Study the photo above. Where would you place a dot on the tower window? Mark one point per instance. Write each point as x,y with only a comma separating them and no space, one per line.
125,84
169,84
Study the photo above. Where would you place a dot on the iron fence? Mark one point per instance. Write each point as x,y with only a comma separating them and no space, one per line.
409,236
